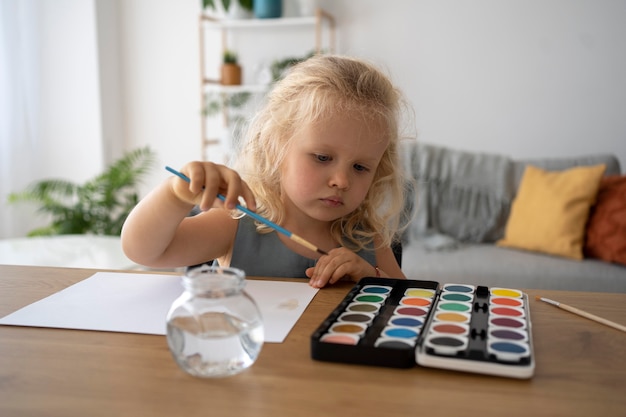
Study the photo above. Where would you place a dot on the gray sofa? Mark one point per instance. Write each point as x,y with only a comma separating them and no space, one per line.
460,202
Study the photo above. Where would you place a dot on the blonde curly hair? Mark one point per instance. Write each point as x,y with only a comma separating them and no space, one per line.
315,89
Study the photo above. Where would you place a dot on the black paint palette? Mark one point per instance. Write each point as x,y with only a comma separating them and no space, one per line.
401,323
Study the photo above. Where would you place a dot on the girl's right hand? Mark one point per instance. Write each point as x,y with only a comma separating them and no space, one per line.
207,181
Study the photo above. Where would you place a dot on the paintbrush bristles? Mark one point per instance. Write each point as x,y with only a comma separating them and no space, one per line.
547,300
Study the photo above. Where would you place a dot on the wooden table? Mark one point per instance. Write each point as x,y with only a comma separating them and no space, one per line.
580,369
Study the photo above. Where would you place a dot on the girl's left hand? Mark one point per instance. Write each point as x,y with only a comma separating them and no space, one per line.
339,263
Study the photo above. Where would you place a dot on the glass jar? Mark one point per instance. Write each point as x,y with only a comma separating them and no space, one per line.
214,328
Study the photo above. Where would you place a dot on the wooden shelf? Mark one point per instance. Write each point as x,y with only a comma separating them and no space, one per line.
258,23
320,22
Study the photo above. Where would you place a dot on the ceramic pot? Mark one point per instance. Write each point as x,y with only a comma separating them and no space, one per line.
231,74
268,9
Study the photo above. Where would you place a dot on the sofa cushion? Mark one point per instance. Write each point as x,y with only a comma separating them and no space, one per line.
606,229
551,209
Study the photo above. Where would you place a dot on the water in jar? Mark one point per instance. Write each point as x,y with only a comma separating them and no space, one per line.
214,344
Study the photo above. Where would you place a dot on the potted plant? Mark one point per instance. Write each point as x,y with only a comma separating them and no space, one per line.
231,71
99,206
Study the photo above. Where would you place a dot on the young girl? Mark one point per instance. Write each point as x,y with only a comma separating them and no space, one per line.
320,160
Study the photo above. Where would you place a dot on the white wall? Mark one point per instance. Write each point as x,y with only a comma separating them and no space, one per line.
524,78
70,125
111,93
159,49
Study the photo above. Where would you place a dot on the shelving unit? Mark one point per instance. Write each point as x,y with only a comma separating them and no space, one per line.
319,22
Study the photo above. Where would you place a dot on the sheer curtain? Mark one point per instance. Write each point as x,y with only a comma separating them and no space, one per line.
19,136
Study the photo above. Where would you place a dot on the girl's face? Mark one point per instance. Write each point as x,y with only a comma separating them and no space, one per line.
329,167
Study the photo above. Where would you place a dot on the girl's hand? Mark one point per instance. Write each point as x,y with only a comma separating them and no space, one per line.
339,263
207,181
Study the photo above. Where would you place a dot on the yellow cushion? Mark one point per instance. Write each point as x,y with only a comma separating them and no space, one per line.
550,210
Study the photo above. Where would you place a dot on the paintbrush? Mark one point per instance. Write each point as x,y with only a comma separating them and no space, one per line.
262,219
583,313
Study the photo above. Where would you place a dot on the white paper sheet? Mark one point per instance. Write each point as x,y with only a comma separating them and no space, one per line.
138,303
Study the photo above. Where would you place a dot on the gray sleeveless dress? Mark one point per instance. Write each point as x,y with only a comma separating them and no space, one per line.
265,255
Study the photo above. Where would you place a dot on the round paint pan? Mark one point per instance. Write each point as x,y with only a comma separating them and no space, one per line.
352,317
462,288
406,321
505,292
452,316
415,301
411,311
363,307
340,338
419,292
447,344
398,332
376,289
454,306
508,351
457,296
450,328
350,328
506,301
510,322
391,343
496,310
370,298
505,333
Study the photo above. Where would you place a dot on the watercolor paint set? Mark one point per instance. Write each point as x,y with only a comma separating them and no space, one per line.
401,323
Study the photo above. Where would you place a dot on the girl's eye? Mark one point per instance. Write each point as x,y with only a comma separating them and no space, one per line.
361,168
322,158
